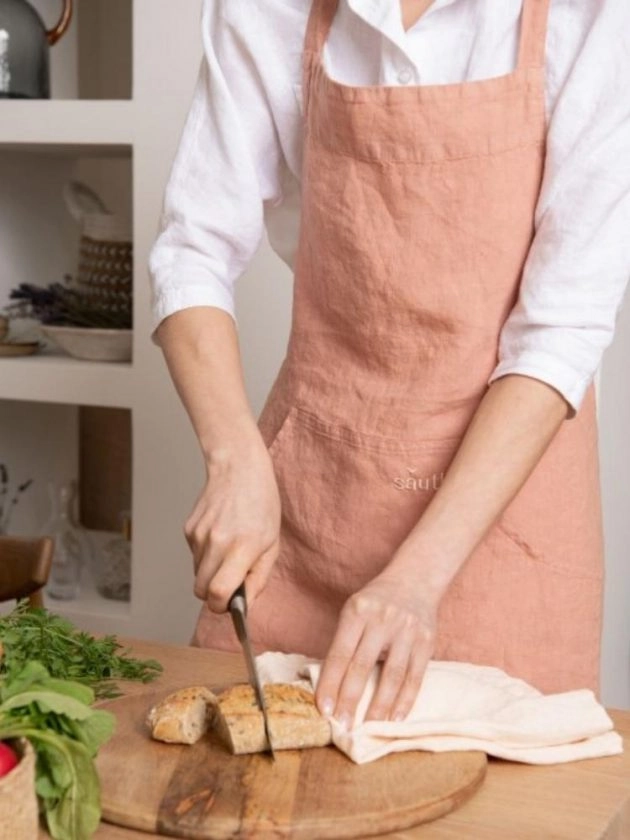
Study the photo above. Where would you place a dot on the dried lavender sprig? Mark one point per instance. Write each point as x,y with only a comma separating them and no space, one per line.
4,488
60,305
5,513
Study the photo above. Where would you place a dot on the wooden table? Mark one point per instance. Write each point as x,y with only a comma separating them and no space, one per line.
584,800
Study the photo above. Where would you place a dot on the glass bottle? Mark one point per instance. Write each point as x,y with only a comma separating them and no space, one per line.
63,582
114,576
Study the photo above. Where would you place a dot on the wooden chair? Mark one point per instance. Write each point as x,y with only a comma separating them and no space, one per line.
24,568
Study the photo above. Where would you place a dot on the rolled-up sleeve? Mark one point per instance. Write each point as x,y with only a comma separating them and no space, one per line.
226,167
578,266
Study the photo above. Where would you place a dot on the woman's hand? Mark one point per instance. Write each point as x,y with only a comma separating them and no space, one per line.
390,619
233,530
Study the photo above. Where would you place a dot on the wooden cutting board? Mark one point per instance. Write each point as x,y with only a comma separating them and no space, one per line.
202,791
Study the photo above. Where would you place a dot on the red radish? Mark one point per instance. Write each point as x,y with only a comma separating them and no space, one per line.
8,759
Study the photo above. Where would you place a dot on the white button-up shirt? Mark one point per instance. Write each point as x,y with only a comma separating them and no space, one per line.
237,169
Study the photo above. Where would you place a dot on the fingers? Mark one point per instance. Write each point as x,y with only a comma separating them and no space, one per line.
260,571
234,529
383,705
357,674
412,683
243,562
368,628
207,557
340,653
221,570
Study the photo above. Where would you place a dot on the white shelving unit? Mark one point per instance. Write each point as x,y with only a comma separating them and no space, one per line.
68,127
54,378
166,468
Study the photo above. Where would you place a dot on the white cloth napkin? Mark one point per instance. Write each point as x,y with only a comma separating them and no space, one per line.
468,707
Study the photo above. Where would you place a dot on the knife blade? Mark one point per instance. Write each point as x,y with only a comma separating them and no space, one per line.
238,610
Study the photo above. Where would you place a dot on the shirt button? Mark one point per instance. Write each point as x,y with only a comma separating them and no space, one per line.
405,76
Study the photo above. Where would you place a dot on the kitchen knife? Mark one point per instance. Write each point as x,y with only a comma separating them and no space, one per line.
238,610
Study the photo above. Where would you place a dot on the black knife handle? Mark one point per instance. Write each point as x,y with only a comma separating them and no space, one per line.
238,601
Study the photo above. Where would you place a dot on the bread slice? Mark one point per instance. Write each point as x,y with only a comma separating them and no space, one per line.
294,720
184,716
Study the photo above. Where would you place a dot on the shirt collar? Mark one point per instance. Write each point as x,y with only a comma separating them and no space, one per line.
385,16
380,12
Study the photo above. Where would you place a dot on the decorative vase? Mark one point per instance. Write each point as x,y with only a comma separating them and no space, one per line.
24,49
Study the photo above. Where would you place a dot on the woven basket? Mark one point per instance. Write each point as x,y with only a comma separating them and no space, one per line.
18,802
105,270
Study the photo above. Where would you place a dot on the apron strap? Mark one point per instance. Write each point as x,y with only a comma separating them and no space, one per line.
317,28
533,34
319,22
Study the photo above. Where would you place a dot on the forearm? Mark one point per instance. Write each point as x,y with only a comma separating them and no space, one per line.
200,345
512,427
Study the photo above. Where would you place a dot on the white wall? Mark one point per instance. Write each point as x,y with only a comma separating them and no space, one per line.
37,442
614,437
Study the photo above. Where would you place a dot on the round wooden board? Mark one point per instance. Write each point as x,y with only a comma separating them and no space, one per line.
201,791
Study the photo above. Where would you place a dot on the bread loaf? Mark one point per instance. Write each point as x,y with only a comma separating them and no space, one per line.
294,720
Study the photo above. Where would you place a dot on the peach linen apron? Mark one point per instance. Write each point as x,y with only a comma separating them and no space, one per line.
417,216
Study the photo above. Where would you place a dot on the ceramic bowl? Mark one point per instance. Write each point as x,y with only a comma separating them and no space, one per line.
95,345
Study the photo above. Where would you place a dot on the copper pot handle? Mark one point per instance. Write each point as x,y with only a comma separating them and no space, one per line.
55,34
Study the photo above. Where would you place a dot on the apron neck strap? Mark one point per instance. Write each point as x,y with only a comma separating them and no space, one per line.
533,36
319,22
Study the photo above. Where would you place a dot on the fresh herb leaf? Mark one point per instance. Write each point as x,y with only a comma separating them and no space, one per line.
67,653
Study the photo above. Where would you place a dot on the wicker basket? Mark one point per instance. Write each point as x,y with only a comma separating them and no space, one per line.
105,270
18,802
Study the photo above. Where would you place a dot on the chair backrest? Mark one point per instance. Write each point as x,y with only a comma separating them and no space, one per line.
24,567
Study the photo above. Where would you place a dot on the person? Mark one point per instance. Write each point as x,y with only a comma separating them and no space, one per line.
450,184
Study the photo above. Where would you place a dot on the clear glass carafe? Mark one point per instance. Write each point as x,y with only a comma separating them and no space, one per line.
65,572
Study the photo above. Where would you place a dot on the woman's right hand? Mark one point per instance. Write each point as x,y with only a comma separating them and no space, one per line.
234,528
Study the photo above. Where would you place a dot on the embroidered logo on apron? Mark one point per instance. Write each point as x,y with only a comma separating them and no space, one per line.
416,482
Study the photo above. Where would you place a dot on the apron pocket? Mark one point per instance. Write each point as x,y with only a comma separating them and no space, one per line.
349,498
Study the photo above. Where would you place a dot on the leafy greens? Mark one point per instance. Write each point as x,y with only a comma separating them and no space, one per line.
66,733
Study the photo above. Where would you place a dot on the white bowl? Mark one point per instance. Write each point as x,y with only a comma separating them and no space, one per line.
96,345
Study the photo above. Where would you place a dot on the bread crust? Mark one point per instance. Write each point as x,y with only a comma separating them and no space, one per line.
183,716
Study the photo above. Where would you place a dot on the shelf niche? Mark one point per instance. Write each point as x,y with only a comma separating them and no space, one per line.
60,444
39,239
93,59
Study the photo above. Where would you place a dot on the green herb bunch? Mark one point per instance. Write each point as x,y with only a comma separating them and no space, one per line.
67,653
66,733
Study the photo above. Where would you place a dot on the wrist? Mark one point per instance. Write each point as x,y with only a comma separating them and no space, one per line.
224,446
427,565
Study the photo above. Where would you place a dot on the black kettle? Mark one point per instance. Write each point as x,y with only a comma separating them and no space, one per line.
24,53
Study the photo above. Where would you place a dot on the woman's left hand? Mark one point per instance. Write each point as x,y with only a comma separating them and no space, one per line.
391,620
